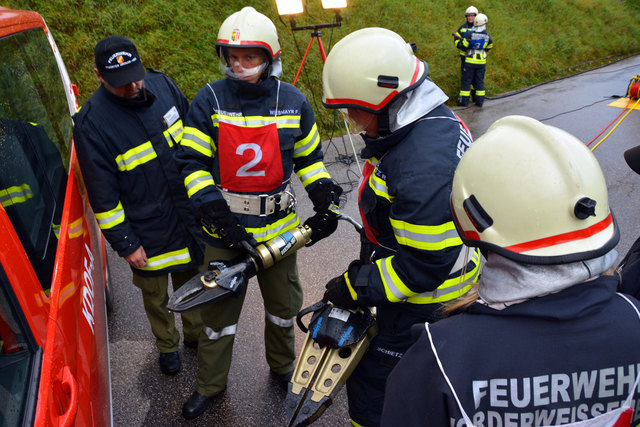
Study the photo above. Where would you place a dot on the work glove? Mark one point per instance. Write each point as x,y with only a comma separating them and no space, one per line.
325,197
322,225
217,218
340,291
325,194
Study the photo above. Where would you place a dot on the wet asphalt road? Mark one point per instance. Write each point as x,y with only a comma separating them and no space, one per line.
142,395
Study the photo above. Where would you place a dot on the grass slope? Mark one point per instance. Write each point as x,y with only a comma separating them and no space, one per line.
534,40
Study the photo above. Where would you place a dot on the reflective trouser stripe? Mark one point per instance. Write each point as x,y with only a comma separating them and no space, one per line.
158,262
214,336
279,321
109,219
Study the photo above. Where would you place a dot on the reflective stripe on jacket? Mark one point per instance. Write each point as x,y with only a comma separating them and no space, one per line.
477,45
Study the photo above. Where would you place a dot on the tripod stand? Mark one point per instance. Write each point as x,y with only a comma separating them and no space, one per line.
316,34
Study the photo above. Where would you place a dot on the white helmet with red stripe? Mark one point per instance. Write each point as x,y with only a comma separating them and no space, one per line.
368,69
532,193
249,28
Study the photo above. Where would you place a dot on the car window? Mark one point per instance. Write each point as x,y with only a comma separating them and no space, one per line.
18,356
35,133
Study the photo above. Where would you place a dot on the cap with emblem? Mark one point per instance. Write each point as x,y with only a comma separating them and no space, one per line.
118,61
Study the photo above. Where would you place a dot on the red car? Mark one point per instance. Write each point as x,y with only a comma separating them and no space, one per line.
54,353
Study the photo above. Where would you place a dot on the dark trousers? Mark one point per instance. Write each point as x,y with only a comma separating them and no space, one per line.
472,75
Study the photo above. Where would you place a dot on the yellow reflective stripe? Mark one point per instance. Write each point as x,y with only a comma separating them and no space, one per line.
110,219
307,144
262,234
198,141
196,181
158,262
352,291
15,194
480,93
174,133
282,122
394,288
426,237
451,288
75,228
56,230
313,173
135,157
465,93
379,186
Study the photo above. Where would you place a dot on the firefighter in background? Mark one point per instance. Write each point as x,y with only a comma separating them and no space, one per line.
546,318
476,43
244,137
413,143
470,16
125,136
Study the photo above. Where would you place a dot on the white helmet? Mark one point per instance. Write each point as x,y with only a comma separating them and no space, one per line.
368,69
532,193
481,19
471,10
249,28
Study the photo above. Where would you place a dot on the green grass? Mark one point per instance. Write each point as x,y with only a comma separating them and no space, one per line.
534,40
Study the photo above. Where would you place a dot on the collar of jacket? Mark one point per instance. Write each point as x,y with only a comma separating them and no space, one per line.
247,90
144,99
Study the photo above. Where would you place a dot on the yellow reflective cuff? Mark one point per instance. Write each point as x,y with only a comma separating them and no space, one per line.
56,230
449,290
352,291
75,228
313,173
135,157
169,259
110,219
395,290
262,234
198,180
306,145
197,140
426,237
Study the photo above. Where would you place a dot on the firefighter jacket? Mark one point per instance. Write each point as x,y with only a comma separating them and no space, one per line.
476,44
458,36
247,139
556,359
125,149
404,206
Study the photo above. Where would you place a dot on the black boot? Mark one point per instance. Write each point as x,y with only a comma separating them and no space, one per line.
170,363
197,404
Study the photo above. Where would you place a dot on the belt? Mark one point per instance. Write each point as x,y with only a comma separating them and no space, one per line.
260,204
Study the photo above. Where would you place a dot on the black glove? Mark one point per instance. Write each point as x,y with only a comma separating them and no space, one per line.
325,194
338,292
322,225
217,217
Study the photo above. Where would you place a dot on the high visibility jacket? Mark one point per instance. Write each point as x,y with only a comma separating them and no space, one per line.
459,35
125,149
477,44
249,108
556,359
404,204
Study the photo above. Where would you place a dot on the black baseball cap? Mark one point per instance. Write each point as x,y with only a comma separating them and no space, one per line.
632,156
118,61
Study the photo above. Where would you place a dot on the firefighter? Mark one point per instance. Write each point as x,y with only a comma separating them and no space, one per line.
125,135
413,143
470,16
547,340
476,44
244,136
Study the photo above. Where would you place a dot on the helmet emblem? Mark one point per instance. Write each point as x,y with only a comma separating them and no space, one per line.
120,59
235,35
